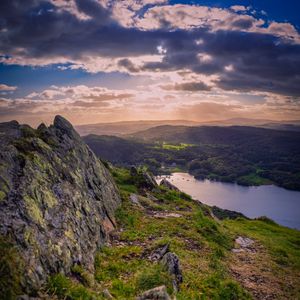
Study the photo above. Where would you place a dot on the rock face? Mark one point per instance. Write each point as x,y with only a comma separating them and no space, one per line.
57,200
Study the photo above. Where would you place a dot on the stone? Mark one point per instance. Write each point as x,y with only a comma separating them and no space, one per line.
171,262
58,199
244,242
158,293
135,199
167,184
149,181
107,294
167,215
222,214
158,253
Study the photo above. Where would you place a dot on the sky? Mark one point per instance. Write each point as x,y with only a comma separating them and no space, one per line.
96,61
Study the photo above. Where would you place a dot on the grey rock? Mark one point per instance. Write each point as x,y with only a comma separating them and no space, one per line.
244,242
149,181
158,293
158,253
222,214
168,185
57,200
107,294
135,199
171,262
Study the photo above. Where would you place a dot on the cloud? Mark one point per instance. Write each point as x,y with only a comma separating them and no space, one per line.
7,88
184,49
238,8
187,86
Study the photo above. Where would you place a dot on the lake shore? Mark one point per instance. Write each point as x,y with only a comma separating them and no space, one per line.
278,204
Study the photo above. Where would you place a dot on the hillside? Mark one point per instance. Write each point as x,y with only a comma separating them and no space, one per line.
165,239
74,229
127,127
232,135
131,127
246,155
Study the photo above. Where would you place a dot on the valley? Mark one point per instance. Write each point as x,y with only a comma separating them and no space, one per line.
238,154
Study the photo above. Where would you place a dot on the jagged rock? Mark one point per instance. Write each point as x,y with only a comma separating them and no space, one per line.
222,214
149,181
57,200
171,262
158,293
168,185
107,294
135,199
158,253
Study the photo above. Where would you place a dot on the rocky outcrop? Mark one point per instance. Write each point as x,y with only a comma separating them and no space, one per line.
222,214
57,200
167,184
148,181
143,179
171,262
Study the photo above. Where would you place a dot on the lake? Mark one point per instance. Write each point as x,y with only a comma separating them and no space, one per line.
281,205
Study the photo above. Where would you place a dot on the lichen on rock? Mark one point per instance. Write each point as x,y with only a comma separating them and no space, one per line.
57,200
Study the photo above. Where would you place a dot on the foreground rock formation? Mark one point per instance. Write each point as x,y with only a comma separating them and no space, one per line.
57,200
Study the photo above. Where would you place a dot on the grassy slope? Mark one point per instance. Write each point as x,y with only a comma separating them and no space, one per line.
203,245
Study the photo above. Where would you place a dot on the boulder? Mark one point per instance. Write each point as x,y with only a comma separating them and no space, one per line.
158,293
167,184
158,253
106,294
135,199
171,262
148,181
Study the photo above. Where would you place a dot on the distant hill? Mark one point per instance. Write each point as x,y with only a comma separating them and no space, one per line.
242,154
232,135
115,149
129,127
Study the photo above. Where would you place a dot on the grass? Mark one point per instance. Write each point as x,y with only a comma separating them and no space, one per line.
199,242
176,147
66,288
202,244
282,243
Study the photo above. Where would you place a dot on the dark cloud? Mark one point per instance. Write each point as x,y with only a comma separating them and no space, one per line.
128,64
38,29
